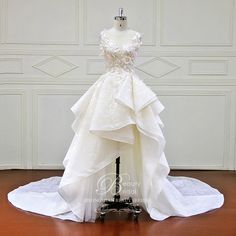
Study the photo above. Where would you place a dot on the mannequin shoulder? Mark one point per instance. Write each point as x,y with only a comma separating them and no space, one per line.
111,32
102,32
136,36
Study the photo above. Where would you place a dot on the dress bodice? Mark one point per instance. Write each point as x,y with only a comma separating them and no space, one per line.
119,58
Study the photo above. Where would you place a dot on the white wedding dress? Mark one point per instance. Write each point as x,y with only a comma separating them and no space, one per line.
117,116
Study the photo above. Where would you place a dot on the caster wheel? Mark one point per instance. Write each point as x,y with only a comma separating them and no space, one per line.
102,217
135,216
137,209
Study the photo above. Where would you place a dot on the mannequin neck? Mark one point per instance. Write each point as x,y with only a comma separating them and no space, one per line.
120,25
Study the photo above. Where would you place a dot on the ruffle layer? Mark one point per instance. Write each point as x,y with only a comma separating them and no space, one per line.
116,108
120,101
117,116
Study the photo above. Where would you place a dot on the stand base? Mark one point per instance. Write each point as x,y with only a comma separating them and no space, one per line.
119,205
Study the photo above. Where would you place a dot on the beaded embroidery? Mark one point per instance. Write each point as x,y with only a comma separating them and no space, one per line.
119,57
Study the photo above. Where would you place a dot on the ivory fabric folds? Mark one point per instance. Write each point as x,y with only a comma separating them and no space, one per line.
119,115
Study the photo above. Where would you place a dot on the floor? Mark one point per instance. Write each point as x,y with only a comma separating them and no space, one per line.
218,222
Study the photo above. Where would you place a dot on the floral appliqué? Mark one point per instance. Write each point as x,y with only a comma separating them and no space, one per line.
119,57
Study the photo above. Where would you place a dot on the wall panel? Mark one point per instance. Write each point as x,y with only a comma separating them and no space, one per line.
50,56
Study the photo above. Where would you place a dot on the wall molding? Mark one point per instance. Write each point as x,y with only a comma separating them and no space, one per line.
2,21
89,80
93,60
55,42
172,66
231,32
224,62
227,152
51,59
82,50
12,60
95,52
22,128
36,93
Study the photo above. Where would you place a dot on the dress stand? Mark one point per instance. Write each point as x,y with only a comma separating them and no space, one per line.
117,204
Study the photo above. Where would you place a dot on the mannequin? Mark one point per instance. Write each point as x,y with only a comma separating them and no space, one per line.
120,33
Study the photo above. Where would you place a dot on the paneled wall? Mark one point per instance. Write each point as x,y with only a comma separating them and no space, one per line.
49,57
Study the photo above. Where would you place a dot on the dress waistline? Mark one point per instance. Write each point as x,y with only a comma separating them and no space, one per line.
115,69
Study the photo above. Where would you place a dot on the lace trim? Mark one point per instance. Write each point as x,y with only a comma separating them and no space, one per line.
108,44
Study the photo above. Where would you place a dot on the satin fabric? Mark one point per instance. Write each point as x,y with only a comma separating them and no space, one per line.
119,115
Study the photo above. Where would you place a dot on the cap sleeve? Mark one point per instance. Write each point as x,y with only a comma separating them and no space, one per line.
101,42
139,38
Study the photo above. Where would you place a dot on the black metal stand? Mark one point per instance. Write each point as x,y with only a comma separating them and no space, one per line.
117,204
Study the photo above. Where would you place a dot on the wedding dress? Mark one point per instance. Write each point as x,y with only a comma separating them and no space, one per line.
117,116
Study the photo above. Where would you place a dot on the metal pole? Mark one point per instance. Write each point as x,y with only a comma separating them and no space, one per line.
117,175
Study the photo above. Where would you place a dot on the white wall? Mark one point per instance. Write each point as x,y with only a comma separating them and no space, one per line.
49,57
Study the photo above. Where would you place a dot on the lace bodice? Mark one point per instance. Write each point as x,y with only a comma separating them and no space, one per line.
119,57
